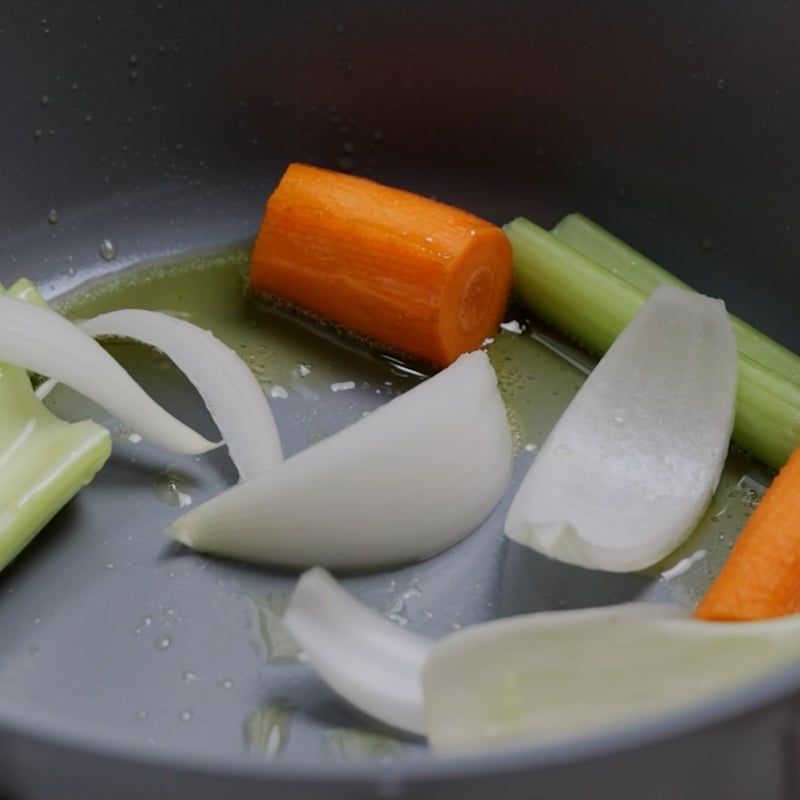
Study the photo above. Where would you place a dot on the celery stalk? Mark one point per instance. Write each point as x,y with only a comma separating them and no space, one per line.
593,301
589,238
596,243
44,461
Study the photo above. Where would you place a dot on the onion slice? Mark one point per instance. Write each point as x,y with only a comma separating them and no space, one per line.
369,661
232,394
536,679
546,678
631,465
401,484
39,339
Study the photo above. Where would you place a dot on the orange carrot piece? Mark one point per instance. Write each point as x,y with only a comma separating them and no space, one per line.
761,576
417,276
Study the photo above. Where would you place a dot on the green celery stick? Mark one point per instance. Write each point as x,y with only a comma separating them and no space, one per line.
592,303
44,461
597,243
589,238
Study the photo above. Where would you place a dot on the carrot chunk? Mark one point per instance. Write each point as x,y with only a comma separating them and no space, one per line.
761,576
419,277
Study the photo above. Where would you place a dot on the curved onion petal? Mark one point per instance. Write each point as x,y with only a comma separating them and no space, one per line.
39,339
544,678
631,465
229,389
365,658
407,481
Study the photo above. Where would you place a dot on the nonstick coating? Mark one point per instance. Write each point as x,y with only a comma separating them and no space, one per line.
162,126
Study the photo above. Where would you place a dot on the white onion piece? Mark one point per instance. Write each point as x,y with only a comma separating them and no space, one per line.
368,660
629,468
39,339
232,394
545,678
401,484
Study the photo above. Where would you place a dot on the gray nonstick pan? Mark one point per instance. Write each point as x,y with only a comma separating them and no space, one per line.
138,138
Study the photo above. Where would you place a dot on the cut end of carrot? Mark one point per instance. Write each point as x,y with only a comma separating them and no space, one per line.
414,276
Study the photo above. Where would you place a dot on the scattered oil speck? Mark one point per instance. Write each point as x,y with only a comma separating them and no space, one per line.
189,677
266,729
141,715
108,250
343,386
531,447
720,513
226,683
38,133
353,743
302,370
185,715
278,392
173,488
163,642
722,84
88,119
682,566
512,326
109,565
53,216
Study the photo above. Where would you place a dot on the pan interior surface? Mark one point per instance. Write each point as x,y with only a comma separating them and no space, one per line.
144,143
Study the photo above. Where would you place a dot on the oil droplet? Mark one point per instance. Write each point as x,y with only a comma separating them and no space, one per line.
163,643
189,677
722,84
108,250
186,715
226,683
266,729
53,216
343,386
173,488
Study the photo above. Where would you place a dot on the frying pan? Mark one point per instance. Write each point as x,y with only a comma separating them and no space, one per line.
130,667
